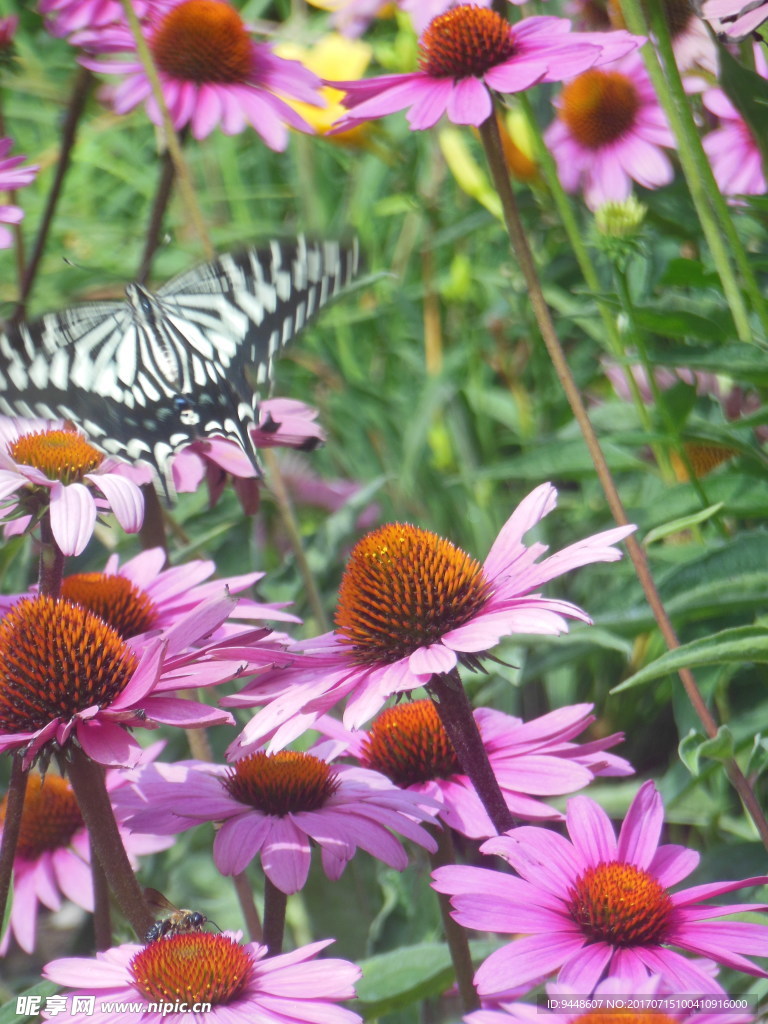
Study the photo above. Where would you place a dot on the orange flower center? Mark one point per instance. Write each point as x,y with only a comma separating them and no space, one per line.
599,107
113,598
50,817
620,904
408,744
465,41
203,41
194,967
62,455
628,1017
404,588
57,659
282,783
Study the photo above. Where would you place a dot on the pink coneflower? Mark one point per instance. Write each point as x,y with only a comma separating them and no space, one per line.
212,72
737,161
735,18
469,52
412,605
595,906
44,463
409,745
12,177
63,17
65,674
140,596
53,853
240,982
609,132
283,423
650,992
279,806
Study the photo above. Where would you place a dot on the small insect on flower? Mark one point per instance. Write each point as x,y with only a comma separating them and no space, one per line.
177,921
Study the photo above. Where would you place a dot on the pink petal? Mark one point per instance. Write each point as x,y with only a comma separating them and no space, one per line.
73,516
469,102
108,743
641,829
124,497
433,659
285,857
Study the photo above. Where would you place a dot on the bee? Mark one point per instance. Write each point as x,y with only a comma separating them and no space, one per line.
177,920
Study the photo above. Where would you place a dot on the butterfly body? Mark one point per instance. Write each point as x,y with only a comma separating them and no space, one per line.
145,376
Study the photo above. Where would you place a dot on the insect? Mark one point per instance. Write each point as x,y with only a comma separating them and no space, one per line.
177,920
145,376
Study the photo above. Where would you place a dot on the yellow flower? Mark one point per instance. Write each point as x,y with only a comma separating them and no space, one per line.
336,57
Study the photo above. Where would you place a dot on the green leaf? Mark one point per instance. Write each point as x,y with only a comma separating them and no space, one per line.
758,758
8,1014
409,975
740,362
743,643
679,323
684,523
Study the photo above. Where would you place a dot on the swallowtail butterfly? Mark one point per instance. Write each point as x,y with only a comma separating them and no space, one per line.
145,376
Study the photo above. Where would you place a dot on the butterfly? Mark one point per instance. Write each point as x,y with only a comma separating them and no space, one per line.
148,375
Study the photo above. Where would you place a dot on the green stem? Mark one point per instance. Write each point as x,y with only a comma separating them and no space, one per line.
589,272
284,504
455,935
635,21
702,168
489,135
14,808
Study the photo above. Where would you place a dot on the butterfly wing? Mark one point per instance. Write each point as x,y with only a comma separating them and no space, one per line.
146,376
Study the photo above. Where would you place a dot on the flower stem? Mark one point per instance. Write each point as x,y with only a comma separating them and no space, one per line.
77,102
455,935
244,894
186,188
87,780
102,919
284,504
455,711
489,134
159,206
51,571
722,240
14,807
275,902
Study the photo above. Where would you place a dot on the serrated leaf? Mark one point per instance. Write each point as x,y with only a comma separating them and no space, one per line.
743,643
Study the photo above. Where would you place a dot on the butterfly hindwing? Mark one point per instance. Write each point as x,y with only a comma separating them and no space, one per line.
145,376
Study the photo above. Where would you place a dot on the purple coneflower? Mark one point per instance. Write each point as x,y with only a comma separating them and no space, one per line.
241,984
412,605
609,132
409,745
279,806
53,857
596,906
469,52
45,463
211,71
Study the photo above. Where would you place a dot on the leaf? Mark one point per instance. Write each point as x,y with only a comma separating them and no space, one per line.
409,975
684,523
737,645
8,1012
680,323
694,746
746,363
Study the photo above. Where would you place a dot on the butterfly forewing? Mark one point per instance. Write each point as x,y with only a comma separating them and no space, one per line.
145,376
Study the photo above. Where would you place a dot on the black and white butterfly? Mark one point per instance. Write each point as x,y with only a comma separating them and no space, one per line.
143,377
